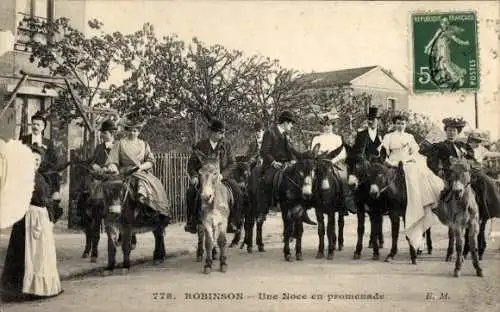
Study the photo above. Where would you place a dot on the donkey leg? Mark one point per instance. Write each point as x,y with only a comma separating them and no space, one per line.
466,244
299,228
287,233
248,240
341,231
361,231
259,241
459,234
451,244
88,241
395,224
428,240
237,236
380,232
413,252
111,251
221,242
332,236
473,231
321,234
209,246
375,219
159,251
199,249
481,237
126,245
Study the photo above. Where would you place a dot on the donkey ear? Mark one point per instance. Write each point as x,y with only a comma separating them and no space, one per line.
315,150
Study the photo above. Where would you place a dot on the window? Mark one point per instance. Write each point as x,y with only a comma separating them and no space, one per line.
391,104
27,8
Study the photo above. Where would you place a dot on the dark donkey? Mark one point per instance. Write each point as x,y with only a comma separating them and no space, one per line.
125,216
359,182
389,182
294,195
326,201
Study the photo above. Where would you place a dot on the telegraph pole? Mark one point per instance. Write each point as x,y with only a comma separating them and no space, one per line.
476,110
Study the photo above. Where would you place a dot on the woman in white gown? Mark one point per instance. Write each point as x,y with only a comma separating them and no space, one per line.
422,185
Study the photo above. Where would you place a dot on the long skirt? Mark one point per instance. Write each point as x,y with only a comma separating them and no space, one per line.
153,191
423,191
41,277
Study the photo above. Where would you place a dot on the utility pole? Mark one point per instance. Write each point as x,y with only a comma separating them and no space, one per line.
476,110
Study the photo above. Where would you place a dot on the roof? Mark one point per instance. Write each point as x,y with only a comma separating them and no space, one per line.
337,77
340,77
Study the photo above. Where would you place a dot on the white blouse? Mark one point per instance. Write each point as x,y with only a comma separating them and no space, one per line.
328,143
400,146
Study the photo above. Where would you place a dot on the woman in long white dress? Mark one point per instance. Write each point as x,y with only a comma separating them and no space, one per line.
422,185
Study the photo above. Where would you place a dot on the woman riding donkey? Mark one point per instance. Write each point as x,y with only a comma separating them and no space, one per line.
422,186
144,205
332,177
485,187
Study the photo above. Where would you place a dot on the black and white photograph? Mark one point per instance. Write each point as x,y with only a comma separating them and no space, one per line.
258,156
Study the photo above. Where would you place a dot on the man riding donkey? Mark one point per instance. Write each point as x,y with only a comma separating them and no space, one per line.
276,153
367,149
213,145
485,187
93,196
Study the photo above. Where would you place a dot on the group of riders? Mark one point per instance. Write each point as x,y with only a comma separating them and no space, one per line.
270,152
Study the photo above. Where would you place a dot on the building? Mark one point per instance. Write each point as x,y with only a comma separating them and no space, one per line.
32,96
386,91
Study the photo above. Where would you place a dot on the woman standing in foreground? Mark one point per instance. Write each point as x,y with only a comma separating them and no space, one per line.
30,269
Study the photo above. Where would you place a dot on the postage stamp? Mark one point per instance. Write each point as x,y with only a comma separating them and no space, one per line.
445,51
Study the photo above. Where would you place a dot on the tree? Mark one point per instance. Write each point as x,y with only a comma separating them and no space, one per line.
418,125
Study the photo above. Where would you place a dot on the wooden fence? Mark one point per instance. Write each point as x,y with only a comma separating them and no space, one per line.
171,169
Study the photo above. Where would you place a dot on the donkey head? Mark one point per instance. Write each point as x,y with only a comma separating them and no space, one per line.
209,175
460,176
383,177
302,174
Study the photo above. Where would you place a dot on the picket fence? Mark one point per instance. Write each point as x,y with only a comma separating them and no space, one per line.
171,169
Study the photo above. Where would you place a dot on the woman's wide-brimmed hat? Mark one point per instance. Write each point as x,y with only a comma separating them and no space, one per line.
287,116
133,121
328,118
476,136
216,126
258,126
453,122
399,117
108,125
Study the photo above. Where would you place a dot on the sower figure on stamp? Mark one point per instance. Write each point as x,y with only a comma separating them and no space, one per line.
485,187
367,149
276,151
214,144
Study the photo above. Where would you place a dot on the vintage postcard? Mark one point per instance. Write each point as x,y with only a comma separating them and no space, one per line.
251,156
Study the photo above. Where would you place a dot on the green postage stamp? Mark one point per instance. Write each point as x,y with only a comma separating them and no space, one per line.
445,51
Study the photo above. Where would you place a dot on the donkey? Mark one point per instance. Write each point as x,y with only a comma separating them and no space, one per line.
389,182
375,208
124,216
326,201
216,201
459,210
294,195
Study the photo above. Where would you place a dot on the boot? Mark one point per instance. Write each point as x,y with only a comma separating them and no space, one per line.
191,227
350,205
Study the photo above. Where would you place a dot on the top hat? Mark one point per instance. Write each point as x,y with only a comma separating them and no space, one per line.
108,125
216,126
373,112
457,123
39,116
287,116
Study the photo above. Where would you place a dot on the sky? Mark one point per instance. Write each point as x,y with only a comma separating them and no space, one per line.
323,36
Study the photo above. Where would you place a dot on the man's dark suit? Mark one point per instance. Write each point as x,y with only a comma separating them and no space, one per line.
223,149
275,147
49,162
365,148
